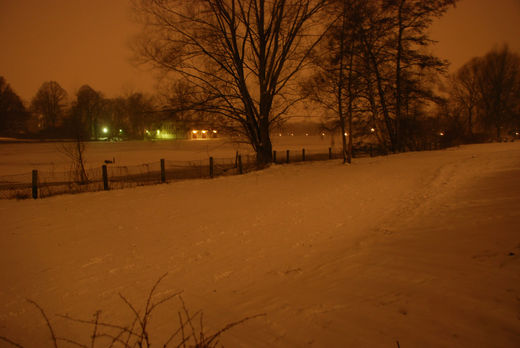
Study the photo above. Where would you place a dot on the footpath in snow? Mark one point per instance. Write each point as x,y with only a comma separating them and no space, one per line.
420,248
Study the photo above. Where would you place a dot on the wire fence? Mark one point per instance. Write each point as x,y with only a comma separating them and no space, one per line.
41,183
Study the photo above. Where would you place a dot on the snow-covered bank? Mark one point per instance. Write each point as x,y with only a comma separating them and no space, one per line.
414,247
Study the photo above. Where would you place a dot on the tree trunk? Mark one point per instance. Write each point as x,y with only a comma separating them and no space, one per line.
350,102
264,148
398,93
341,83
372,61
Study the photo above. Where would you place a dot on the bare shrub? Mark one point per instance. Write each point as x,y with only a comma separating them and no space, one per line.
187,332
76,153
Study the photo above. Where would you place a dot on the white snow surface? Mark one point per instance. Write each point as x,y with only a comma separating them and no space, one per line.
422,248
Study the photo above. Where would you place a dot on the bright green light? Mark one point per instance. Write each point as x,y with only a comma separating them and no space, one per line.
105,130
158,132
120,131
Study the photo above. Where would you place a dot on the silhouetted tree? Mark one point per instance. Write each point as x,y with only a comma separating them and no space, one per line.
397,68
141,111
335,83
89,108
499,87
238,55
411,19
485,92
117,117
464,93
49,102
13,114
374,62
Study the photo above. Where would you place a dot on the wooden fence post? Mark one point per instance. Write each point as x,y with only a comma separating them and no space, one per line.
211,167
240,170
274,156
35,184
163,171
330,152
287,156
303,155
105,177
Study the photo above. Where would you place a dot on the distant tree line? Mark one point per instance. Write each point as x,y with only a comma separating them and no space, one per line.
87,115
484,97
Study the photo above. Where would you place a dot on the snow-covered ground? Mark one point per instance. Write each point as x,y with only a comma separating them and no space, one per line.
22,158
420,248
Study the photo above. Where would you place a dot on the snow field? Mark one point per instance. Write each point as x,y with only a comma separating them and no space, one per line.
414,248
22,158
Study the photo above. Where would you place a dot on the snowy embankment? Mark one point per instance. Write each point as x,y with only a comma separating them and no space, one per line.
421,248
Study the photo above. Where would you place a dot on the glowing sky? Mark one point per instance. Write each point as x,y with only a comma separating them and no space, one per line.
76,42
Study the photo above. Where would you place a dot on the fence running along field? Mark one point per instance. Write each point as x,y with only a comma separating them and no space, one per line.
41,184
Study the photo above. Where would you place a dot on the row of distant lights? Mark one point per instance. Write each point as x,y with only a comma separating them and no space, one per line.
105,130
372,130
203,131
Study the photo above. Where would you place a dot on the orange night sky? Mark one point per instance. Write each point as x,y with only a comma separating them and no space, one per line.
76,42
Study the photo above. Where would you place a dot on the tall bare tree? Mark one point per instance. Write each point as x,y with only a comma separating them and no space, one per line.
140,111
394,37
486,92
499,85
465,92
334,84
50,101
240,56
89,106
411,18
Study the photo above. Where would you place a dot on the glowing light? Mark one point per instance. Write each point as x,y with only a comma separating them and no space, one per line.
214,131
441,134
372,129
306,134
323,134
194,131
120,131
105,130
292,134
346,134
204,132
147,131
279,134
517,133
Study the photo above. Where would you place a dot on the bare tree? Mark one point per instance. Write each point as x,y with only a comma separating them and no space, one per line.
465,93
411,20
485,92
50,103
334,84
75,150
499,85
239,56
394,37
140,110
89,105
